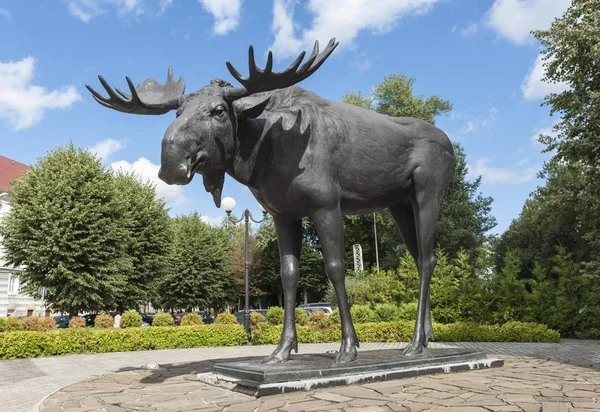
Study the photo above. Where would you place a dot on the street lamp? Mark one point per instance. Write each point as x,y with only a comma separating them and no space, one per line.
228,204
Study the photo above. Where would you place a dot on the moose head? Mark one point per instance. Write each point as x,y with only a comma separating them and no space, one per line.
203,137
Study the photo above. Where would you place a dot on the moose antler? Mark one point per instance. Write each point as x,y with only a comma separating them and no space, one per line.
265,80
150,97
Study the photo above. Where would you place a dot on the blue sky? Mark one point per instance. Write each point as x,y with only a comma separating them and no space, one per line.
477,54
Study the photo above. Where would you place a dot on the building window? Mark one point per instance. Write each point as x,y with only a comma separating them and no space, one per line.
13,284
11,312
29,312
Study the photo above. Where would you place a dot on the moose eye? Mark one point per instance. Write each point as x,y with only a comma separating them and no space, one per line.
218,111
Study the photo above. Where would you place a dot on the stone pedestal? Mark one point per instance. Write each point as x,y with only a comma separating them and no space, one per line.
306,372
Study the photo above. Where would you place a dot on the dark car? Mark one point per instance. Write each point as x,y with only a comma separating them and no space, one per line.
147,318
206,318
239,315
62,321
90,319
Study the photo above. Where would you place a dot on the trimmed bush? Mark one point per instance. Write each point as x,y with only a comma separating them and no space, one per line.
2,324
387,312
37,324
163,319
21,344
408,311
13,324
191,319
362,314
226,318
256,319
301,316
402,332
335,317
318,320
131,319
275,315
77,322
104,321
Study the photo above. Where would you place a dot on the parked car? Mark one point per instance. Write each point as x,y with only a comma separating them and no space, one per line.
147,319
206,318
177,317
313,307
90,318
239,315
62,321
318,304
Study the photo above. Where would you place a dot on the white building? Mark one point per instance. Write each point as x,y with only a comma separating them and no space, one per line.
12,302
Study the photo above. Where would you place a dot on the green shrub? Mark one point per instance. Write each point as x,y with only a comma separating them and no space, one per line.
21,344
2,324
104,321
191,319
77,322
335,317
275,315
37,324
402,331
131,319
387,312
256,319
362,314
13,324
226,318
301,316
408,311
163,319
318,320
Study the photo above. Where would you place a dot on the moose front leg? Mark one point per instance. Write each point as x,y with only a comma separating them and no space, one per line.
289,236
330,228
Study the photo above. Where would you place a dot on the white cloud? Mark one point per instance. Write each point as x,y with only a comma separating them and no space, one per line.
213,221
23,104
362,63
546,131
107,148
164,5
470,30
342,19
147,170
474,124
225,12
515,19
5,13
534,87
506,175
86,10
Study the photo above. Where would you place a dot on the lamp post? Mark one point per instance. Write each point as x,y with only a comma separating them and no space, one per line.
228,204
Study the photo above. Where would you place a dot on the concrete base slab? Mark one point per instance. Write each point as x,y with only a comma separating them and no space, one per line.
306,372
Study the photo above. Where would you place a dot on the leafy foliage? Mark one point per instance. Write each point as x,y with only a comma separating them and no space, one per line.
35,323
131,319
275,315
226,318
163,319
104,321
23,344
191,319
77,322
301,316
318,320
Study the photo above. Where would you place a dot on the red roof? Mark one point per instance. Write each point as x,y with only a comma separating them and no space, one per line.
9,170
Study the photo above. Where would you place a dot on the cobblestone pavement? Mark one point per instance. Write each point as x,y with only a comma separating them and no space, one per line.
555,377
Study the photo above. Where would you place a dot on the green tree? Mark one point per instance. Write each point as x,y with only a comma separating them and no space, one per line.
66,230
147,224
572,56
199,272
465,217
510,293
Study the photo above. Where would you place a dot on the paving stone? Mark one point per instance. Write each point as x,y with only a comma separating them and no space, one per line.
271,403
244,407
333,397
529,407
555,407
302,406
366,402
418,407
397,408
588,405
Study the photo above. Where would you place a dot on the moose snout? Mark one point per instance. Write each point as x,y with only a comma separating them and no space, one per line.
174,174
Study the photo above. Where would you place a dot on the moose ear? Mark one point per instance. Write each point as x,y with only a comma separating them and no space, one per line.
250,107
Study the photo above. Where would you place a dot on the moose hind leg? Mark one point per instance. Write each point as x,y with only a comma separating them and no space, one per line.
330,228
289,236
426,202
405,220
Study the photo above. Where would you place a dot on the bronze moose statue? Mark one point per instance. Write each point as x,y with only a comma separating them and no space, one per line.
304,156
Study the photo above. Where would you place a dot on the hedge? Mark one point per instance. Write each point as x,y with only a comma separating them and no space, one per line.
25,344
402,332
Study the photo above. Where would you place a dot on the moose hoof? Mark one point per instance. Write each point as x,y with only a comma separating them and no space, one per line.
414,349
275,358
346,357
